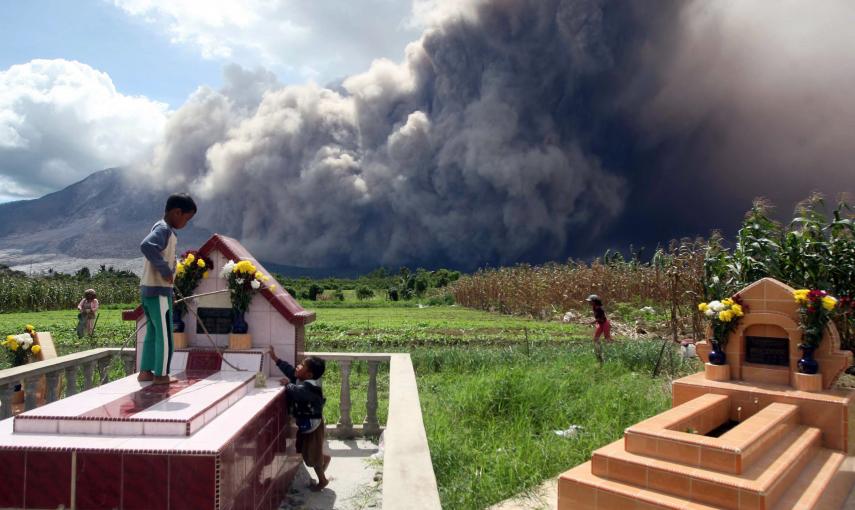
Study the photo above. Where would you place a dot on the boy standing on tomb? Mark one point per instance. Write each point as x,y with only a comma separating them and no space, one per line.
306,405
156,288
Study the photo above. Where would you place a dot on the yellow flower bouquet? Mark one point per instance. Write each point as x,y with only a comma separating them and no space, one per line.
20,347
191,269
244,280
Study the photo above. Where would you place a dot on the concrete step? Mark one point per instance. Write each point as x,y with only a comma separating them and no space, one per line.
579,489
760,486
824,483
665,436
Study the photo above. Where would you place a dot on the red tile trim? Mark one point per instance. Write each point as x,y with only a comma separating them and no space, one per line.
283,302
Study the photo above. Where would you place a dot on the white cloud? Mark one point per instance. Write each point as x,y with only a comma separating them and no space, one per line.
61,120
431,13
309,40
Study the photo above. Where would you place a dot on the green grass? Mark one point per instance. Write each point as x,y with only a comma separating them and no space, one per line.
490,410
491,414
110,331
394,327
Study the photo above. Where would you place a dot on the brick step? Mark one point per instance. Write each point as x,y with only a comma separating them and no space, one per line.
663,437
579,489
758,487
824,483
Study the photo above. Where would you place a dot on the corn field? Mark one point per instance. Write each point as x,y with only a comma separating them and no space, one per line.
814,250
21,293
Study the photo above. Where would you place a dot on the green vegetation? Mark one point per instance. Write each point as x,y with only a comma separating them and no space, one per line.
110,330
56,291
396,327
814,250
403,286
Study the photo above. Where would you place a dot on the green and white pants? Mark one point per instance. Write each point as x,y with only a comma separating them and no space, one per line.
157,346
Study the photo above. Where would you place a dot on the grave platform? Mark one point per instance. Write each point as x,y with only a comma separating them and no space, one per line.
210,441
748,435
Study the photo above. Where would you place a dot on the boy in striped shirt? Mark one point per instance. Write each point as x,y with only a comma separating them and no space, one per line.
156,288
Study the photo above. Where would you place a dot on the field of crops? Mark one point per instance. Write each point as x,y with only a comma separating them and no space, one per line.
395,327
815,250
19,293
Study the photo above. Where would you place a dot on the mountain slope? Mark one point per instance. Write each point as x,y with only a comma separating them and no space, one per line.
104,215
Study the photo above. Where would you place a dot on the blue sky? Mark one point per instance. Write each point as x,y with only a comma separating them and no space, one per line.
139,60
90,84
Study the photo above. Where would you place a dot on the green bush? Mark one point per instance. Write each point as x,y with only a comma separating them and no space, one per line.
363,293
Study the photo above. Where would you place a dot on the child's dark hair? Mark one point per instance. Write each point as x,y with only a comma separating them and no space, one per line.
316,366
181,201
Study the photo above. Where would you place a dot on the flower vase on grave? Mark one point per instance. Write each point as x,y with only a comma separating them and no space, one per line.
717,356
240,338
239,325
808,365
177,322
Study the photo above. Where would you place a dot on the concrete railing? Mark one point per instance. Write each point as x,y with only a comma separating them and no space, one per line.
91,362
408,478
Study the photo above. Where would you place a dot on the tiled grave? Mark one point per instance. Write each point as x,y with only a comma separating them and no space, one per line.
752,437
212,440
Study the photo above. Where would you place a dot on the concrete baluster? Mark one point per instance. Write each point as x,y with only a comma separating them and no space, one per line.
345,424
71,380
371,426
129,362
88,369
103,365
51,379
6,392
31,384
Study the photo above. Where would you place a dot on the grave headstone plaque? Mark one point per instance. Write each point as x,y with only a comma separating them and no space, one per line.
218,321
765,350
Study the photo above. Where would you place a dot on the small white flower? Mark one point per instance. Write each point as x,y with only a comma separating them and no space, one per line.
716,306
255,284
710,312
239,281
227,269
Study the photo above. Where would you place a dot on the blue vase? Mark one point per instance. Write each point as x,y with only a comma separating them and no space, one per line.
177,323
717,356
239,325
808,365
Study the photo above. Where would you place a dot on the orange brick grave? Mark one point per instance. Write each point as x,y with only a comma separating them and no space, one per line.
764,438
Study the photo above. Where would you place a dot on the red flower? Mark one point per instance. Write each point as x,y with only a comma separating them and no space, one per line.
737,298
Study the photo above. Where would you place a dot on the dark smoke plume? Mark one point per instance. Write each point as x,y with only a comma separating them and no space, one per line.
528,130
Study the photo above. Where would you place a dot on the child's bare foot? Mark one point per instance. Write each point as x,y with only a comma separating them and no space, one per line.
163,379
319,486
145,376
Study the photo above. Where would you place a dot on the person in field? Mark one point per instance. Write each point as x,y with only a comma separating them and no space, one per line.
602,323
158,247
87,310
305,399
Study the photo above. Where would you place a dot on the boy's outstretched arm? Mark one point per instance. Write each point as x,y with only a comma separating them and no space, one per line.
282,365
154,243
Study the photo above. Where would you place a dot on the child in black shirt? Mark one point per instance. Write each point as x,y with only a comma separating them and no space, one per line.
305,399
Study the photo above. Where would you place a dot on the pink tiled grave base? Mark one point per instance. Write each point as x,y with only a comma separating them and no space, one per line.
127,407
242,459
